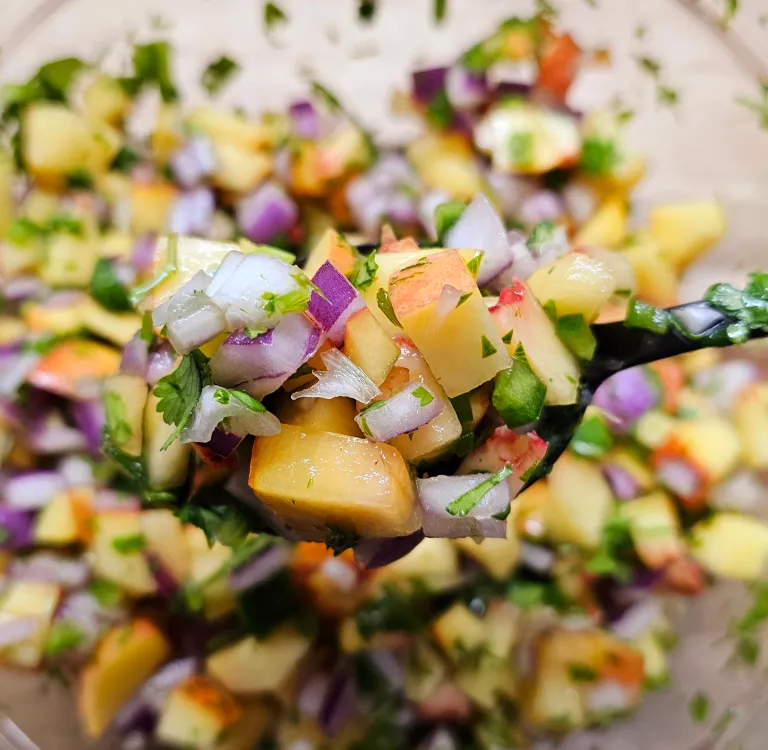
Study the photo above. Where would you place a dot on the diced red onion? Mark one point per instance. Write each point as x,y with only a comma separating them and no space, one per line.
267,213
509,190
260,568
637,619
623,484
17,525
428,83
741,491
427,205
210,412
376,553
436,493
243,284
162,362
156,688
552,248
23,288
76,471
167,585
722,383
305,119
136,739
391,666
135,357
222,444
401,413
481,228
262,364
143,253
137,718
626,396
194,161
33,490
14,369
464,88
51,435
680,477
341,378
507,89
340,701
543,205
18,629
193,321
49,568
192,212
282,164
90,418
341,301
538,558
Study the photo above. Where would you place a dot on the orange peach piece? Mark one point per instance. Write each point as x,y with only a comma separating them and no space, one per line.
334,248
151,206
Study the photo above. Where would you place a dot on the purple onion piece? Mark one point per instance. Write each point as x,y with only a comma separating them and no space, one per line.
222,443
267,213
194,161
627,396
161,362
90,418
135,357
167,585
192,212
16,528
341,301
506,89
623,484
340,701
376,553
305,119
50,435
143,253
428,83
23,288
33,490
464,88
260,568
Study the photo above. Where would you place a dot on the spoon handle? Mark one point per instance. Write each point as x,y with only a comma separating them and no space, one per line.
621,346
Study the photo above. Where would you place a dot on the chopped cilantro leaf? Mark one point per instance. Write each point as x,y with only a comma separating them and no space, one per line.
466,502
152,67
106,288
581,673
119,429
507,337
650,66
125,159
294,301
541,233
227,524
666,95
128,545
339,540
248,401
488,348
699,707
439,10
273,16
446,215
147,328
473,266
253,333
107,594
385,305
521,147
179,392
323,92
23,231
463,299
63,635
218,73
615,541
731,9
439,111
592,439
366,10
80,179
423,395
599,156
396,611
365,272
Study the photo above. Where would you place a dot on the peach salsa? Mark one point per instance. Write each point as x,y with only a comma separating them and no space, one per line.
269,399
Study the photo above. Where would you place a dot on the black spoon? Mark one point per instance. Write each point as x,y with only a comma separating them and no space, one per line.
620,347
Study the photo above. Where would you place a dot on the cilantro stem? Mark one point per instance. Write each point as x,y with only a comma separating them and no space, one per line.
466,502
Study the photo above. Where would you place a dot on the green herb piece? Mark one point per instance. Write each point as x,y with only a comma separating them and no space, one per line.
577,336
463,299
165,273
521,147
473,266
227,524
152,67
526,594
699,707
273,16
650,318
446,215
294,301
759,106
106,288
107,594
366,10
339,540
508,336
24,232
253,333
396,611
63,635
518,393
592,439
248,401
543,232
502,515
466,502
731,9
61,223
440,9
80,179
615,542
599,156
147,333
119,429
125,159
650,66
365,272
423,395
724,721
439,112
323,92
748,650
581,673
667,96
130,544
218,73
488,349
749,307
179,391
385,305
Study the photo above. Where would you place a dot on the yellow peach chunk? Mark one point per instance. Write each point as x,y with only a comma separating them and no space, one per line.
369,347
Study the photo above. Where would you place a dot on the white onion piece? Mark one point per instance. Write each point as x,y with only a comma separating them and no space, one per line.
340,573
696,319
192,212
725,381
446,303
509,190
538,558
197,283
436,493
679,477
18,629
464,88
77,471
742,492
400,414
52,436
637,619
34,490
242,420
580,201
551,249
194,320
267,213
480,228
161,363
193,161
13,372
523,263
244,284
543,205
48,568
262,364
342,377
609,697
